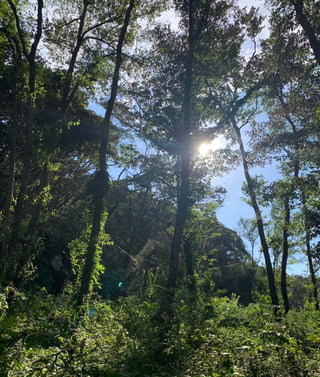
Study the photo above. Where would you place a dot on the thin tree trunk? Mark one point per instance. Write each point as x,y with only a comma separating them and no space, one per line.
307,27
254,203
285,254
7,210
252,260
296,164
311,269
101,177
308,248
254,282
12,170
66,97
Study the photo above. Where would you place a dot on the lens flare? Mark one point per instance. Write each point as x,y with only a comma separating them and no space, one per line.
206,147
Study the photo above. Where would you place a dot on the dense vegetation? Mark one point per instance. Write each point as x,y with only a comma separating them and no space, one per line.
113,261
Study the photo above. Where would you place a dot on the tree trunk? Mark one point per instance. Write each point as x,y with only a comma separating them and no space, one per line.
101,177
181,217
296,164
66,96
183,197
7,210
28,147
311,269
254,203
308,246
307,28
11,176
285,254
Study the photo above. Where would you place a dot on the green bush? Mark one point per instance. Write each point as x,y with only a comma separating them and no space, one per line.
43,335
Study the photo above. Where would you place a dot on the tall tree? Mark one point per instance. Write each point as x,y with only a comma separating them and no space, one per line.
29,54
303,184
233,100
67,92
281,195
290,133
101,176
10,103
185,142
175,103
259,219
78,49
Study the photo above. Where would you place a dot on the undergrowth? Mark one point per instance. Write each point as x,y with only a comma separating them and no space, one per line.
42,335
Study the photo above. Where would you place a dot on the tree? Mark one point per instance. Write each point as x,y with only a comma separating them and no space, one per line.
174,102
10,109
185,141
281,194
259,219
78,52
101,178
290,132
307,14
29,54
231,98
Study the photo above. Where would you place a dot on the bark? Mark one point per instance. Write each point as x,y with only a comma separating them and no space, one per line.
285,254
11,177
296,164
181,217
183,197
28,147
254,282
307,28
311,270
101,177
308,248
254,203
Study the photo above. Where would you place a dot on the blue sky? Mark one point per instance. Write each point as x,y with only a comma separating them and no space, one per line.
234,208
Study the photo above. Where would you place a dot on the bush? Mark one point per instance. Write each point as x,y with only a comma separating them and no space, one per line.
42,335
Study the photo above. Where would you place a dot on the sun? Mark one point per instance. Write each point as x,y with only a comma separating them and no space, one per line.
206,147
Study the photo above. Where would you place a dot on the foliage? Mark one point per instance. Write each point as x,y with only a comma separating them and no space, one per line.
78,248
42,336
